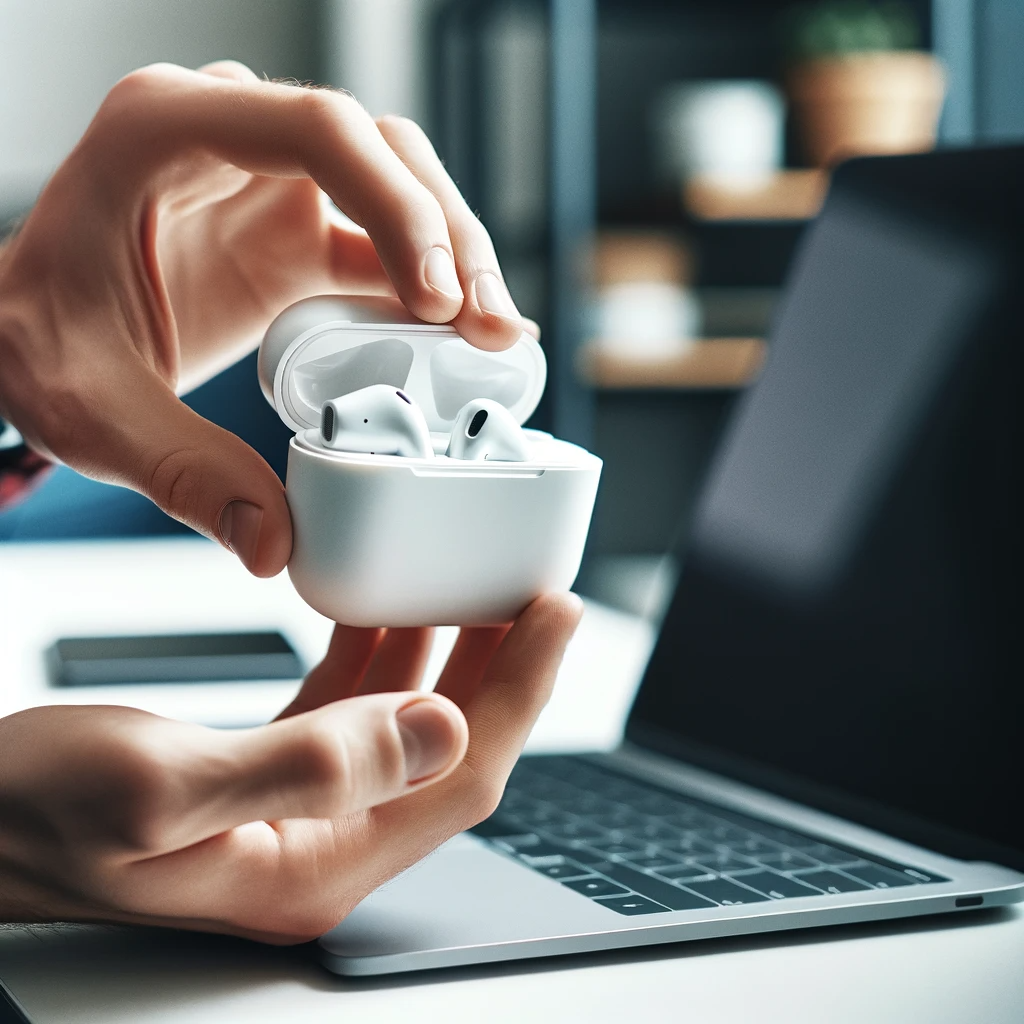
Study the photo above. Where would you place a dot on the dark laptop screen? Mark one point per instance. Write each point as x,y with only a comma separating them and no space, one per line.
847,626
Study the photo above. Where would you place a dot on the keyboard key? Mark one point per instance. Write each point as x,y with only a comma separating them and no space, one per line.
544,848
566,869
575,830
620,820
786,860
562,816
691,820
724,862
625,846
656,830
780,835
498,825
729,894
827,854
688,847
683,872
777,886
722,834
522,842
922,877
831,881
882,878
663,892
632,905
651,860
753,846
543,814
594,887
659,805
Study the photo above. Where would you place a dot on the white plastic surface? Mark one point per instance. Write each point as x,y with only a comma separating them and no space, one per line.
329,346
384,540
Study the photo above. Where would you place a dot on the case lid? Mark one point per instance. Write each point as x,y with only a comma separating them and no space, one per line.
325,347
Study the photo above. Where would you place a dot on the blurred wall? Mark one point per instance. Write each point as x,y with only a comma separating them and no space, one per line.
379,51
59,57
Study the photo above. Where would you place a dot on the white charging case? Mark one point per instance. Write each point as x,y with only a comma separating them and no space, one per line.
385,540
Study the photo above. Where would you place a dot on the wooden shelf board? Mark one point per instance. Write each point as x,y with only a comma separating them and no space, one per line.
788,195
712,363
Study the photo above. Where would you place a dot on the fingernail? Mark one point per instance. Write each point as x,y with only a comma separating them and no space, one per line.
492,297
439,271
240,524
428,735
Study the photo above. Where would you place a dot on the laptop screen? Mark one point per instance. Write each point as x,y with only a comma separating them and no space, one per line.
846,626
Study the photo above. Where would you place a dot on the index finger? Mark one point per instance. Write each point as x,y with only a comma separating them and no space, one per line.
156,117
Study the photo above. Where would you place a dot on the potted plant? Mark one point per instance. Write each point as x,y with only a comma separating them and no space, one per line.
858,82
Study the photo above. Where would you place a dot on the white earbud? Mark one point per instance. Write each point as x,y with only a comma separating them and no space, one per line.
378,420
485,429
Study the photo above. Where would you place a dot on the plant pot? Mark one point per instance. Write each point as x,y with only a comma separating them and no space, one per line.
867,103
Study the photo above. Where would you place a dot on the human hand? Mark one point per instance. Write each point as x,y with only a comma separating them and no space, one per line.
188,216
274,833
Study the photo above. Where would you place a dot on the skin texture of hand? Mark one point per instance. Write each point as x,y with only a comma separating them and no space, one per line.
275,833
188,216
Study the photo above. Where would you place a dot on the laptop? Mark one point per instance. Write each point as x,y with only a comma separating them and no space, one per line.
830,727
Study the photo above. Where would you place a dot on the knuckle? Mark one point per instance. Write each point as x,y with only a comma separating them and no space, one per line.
325,760
234,68
353,772
328,110
471,234
58,418
130,105
173,483
140,84
405,129
329,764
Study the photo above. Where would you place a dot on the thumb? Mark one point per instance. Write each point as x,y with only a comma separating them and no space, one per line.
199,473
339,759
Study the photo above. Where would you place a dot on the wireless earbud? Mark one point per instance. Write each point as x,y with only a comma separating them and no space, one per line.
485,429
378,420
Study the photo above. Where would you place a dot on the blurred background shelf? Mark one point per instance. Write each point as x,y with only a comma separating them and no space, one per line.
544,113
795,194
706,364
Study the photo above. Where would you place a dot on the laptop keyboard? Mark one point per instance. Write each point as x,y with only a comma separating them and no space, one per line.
636,848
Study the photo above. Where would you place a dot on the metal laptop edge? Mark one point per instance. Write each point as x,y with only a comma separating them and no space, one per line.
368,942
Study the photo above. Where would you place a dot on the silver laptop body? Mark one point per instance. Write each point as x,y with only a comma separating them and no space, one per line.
840,635
478,901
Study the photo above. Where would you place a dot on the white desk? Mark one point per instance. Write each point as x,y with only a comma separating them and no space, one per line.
967,969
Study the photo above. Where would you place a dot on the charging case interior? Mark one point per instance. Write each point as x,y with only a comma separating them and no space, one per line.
384,540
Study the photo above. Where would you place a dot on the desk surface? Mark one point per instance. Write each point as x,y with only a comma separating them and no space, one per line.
970,968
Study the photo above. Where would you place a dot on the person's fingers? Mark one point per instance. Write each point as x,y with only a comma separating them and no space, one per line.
399,661
471,654
342,758
489,317
517,683
155,115
354,264
341,672
328,763
515,686
125,425
233,69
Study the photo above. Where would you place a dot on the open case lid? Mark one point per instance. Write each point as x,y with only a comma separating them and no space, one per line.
329,346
